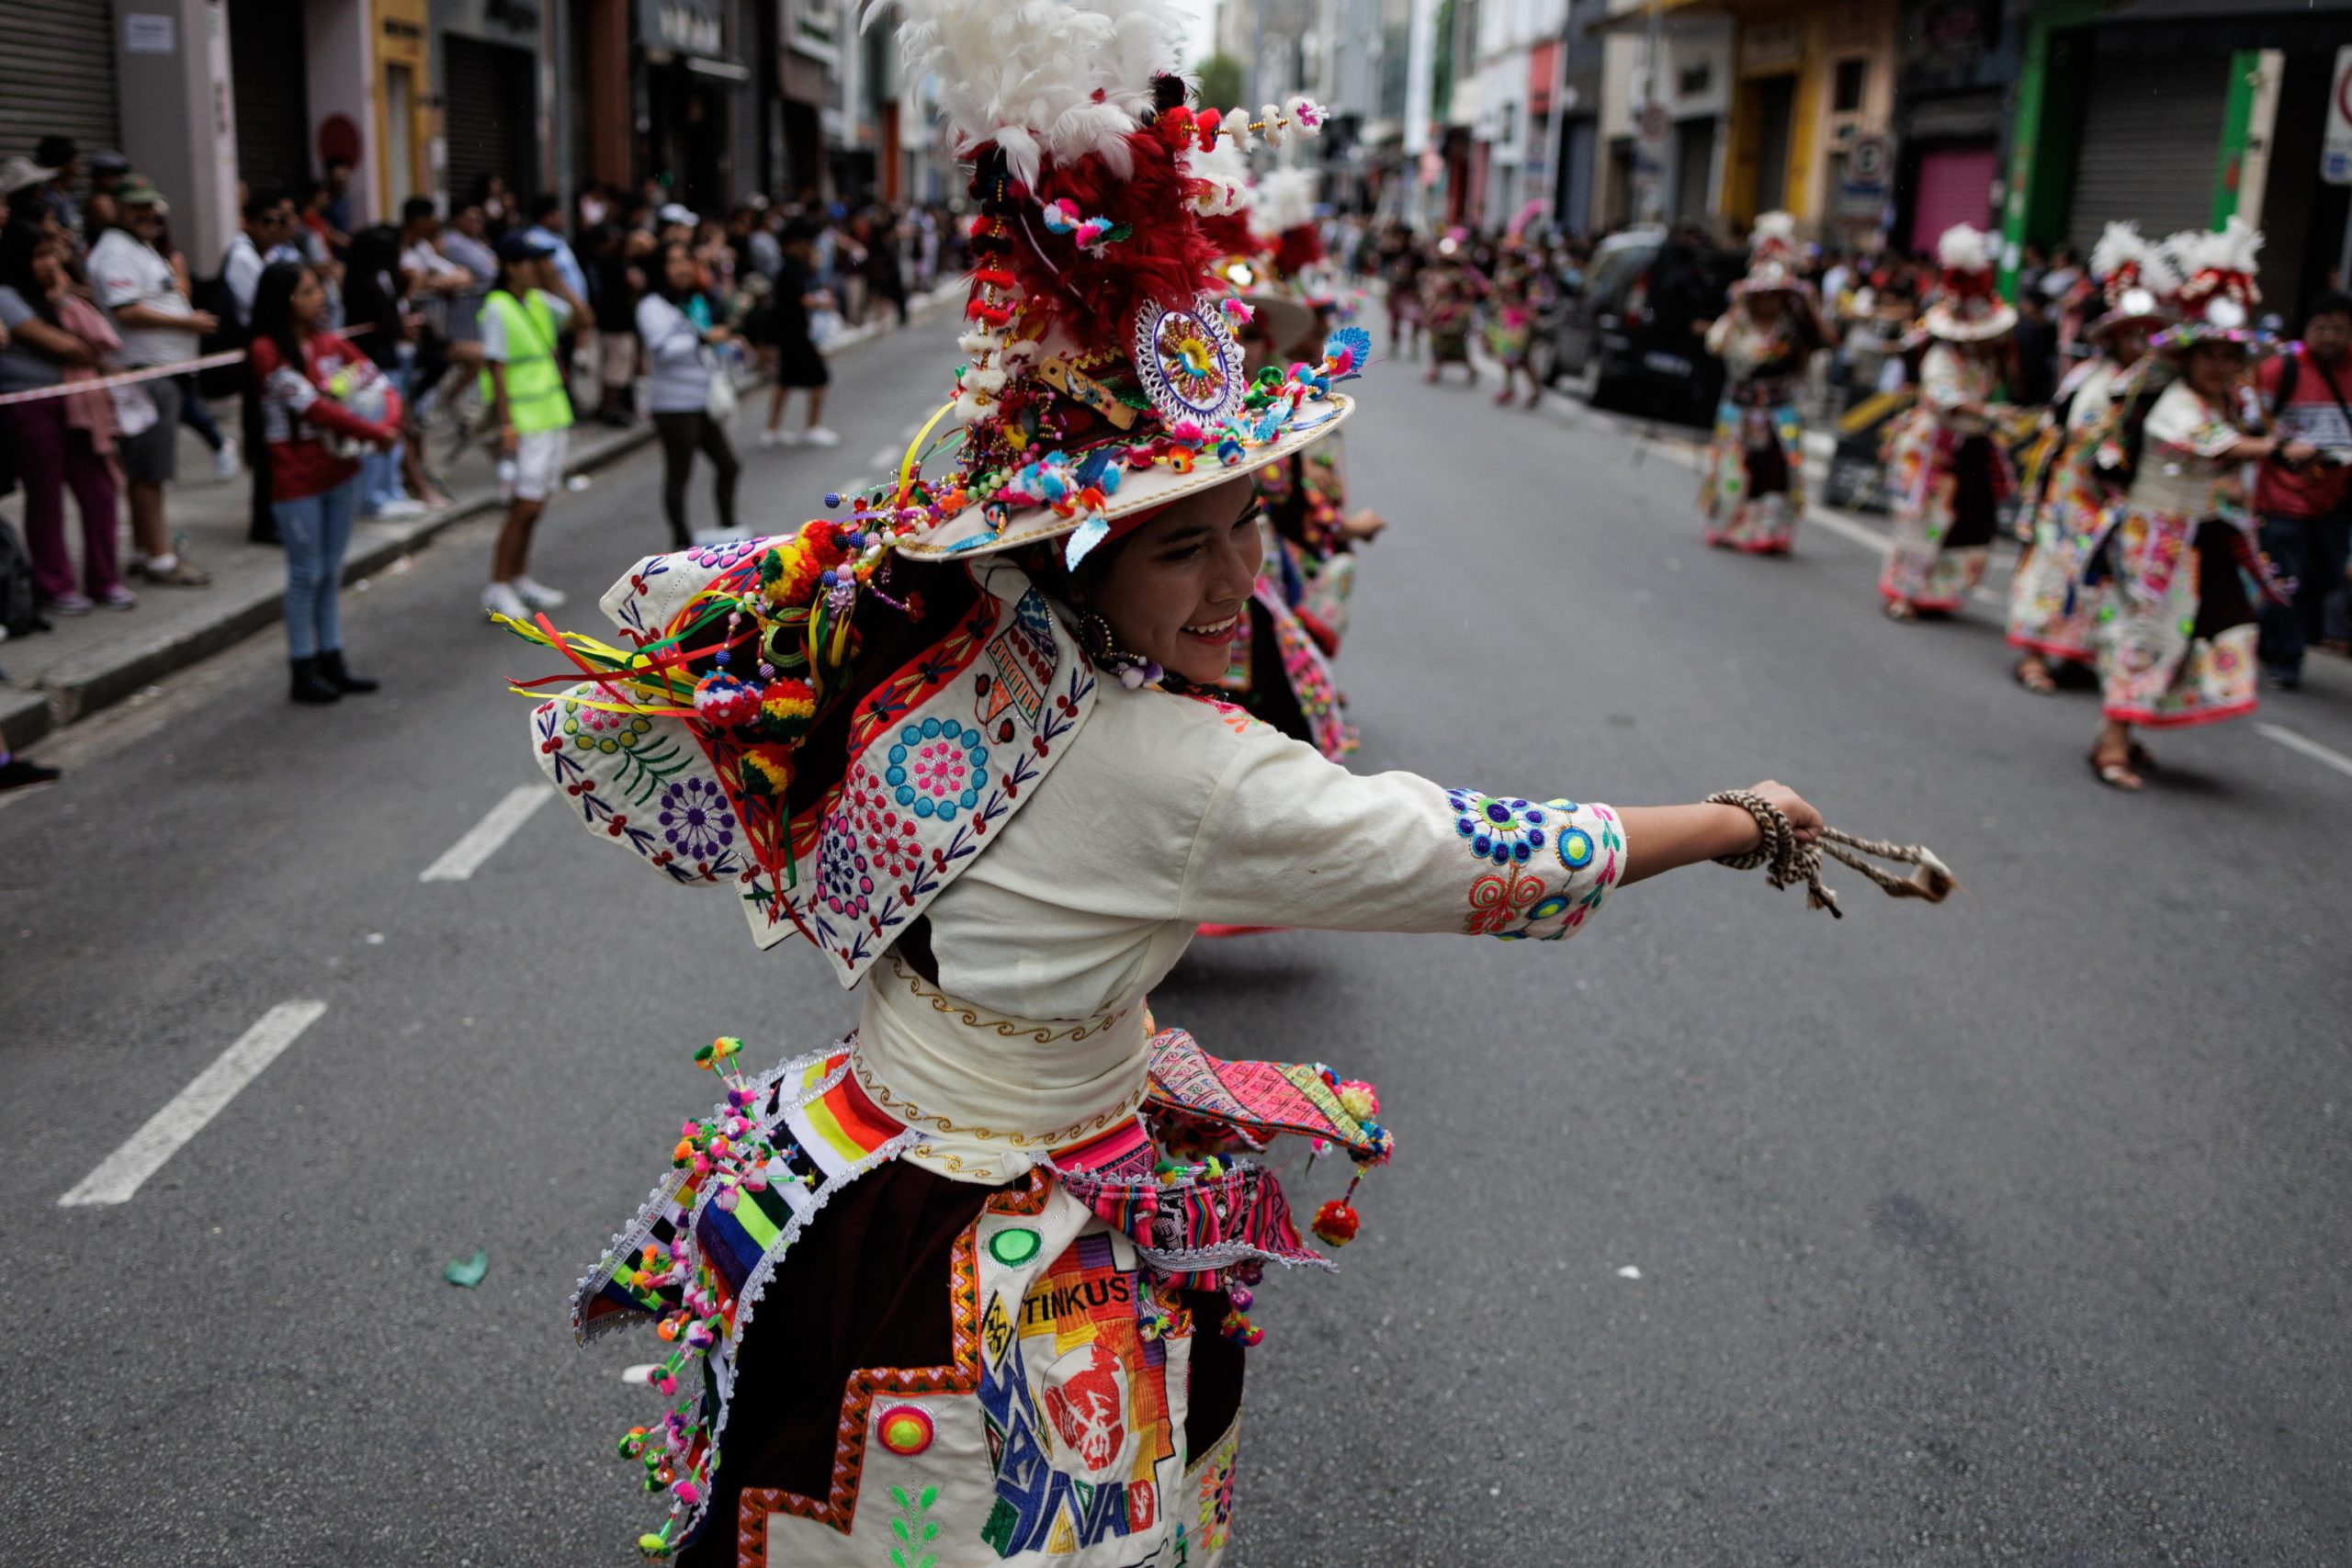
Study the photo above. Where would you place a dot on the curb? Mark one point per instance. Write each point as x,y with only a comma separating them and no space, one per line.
77,688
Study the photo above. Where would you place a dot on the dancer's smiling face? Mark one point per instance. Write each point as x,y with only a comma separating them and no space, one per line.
1175,586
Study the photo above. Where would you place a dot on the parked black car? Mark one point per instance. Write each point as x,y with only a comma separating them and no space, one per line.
1636,328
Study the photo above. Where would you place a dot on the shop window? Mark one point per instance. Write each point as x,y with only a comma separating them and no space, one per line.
1846,92
1693,80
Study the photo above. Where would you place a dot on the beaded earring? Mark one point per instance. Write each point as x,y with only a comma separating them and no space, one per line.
1133,669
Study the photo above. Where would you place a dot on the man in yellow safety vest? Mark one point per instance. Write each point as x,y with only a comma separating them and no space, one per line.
523,386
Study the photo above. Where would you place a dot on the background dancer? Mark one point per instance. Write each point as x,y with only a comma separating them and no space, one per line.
1752,488
2049,616
1947,473
2180,560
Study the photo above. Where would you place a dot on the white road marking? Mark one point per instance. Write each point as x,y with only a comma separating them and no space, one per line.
462,858
886,457
1846,528
143,1152
2326,756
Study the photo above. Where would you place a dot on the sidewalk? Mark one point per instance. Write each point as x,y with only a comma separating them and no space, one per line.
51,679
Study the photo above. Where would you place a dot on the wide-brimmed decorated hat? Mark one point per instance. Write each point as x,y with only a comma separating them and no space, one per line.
2134,278
1773,257
1966,309
1103,381
2217,294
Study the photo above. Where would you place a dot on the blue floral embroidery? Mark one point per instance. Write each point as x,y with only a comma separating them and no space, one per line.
695,818
1500,829
938,768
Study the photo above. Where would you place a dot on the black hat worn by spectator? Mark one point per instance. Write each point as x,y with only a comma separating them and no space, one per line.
56,152
106,161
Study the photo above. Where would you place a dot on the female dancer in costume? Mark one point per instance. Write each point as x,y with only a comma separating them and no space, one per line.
2049,616
2180,558
1752,492
1947,473
1450,289
1001,1240
1514,305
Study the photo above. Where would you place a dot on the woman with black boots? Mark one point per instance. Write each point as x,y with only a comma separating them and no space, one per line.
323,405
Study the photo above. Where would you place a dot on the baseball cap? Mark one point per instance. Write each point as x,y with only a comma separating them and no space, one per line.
678,212
106,161
138,190
516,246
20,172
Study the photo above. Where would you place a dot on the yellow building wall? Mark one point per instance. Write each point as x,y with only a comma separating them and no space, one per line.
402,31
1804,43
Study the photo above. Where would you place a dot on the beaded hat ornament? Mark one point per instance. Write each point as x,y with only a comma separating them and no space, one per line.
1103,379
1966,309
2134,277
2217,293
1772,257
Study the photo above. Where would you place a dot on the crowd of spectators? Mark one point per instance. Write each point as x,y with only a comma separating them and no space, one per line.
498,321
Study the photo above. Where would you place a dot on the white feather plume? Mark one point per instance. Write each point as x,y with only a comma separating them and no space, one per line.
1042,79
2234,247
1778,228
2120,245
1965,249
1286,199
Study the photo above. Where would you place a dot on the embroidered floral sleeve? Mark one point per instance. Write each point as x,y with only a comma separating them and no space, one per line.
1291,840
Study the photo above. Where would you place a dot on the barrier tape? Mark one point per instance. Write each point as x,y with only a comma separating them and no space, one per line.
150,372
124,378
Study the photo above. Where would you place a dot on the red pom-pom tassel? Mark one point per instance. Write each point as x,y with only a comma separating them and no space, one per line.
1336,1223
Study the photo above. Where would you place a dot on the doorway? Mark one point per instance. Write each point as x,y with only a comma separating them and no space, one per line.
1769,102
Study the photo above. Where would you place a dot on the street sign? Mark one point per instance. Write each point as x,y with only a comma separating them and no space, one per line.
1860,201
1651,122
1867,160
2335,157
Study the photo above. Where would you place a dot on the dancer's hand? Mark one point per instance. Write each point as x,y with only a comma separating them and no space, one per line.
1790,805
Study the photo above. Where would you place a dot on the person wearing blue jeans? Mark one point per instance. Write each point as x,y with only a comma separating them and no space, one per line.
317,532
380,491
304,373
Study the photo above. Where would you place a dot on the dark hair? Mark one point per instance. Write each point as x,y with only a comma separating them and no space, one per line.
657,277
2334,302
262,204
414,209
375,249
19,242
274,309
801,231
543,205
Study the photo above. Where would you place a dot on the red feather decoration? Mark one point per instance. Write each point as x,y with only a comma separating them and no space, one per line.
1164,257
1229,233
1297,250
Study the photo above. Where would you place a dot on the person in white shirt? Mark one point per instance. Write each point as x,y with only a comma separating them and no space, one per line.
137,282
677,389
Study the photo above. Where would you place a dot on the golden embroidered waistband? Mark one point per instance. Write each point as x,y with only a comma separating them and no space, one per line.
990,1093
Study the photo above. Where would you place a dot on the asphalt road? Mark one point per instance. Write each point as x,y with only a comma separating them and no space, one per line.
2008,1230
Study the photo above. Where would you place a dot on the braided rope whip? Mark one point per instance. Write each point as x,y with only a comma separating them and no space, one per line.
1792,862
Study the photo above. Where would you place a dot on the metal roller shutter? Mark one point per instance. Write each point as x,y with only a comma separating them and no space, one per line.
56,73
269,72
489,102
2152,136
